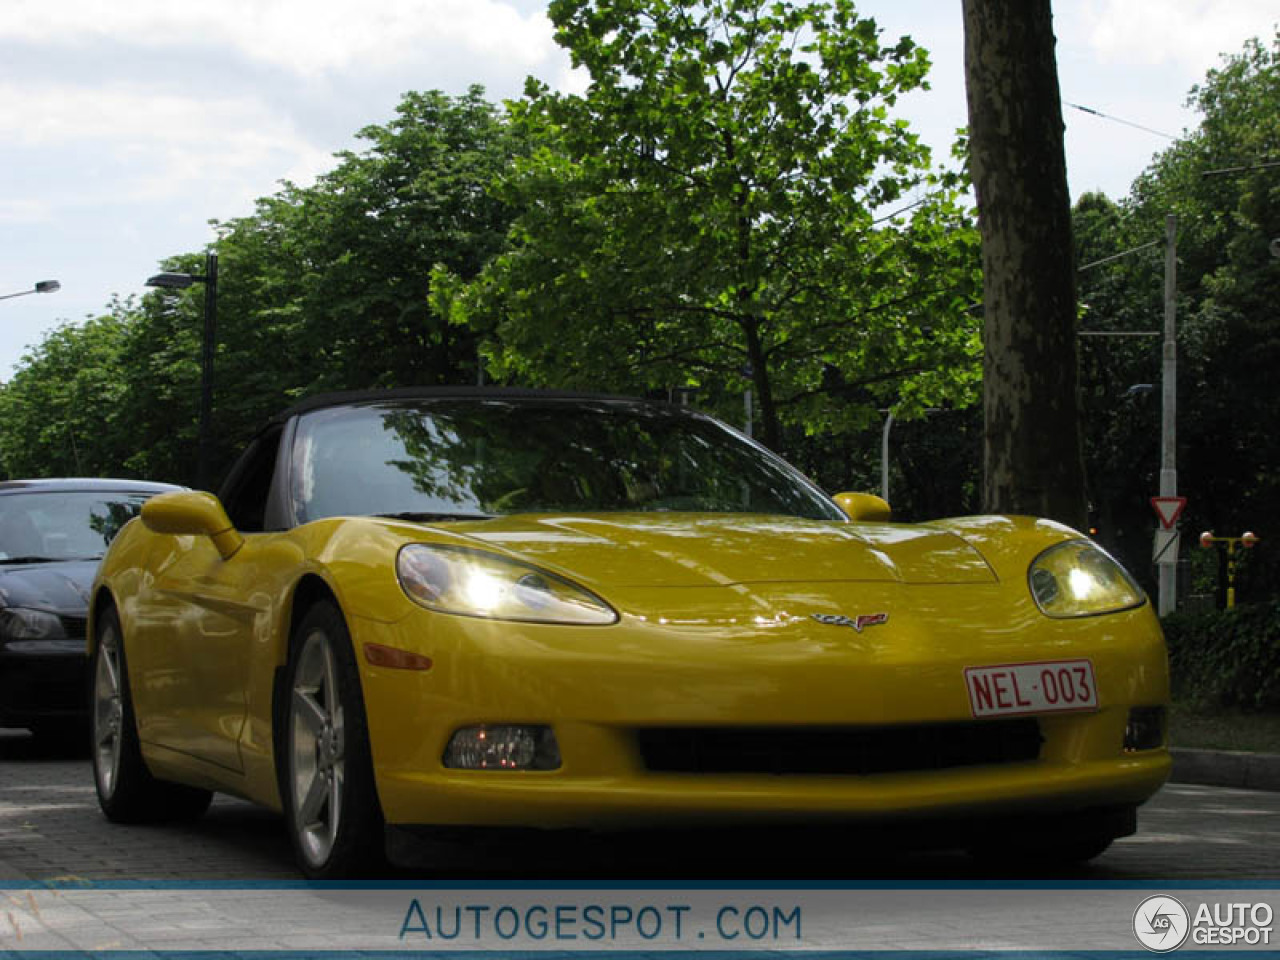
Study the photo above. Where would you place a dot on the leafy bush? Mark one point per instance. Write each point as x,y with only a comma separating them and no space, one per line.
1228,658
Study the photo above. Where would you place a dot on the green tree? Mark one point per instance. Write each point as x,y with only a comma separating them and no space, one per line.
1119,376
159,369
326,287
1222,182
61,410
731,206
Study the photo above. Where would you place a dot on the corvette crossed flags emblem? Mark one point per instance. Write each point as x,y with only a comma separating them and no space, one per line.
858,623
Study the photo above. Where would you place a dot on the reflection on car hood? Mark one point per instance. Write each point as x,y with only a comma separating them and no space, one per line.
60,587
689,550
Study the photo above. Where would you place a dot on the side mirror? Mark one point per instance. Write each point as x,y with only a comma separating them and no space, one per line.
188,513
864,506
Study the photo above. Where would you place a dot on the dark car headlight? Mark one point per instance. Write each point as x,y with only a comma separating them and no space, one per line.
23,623
475,583
1080,579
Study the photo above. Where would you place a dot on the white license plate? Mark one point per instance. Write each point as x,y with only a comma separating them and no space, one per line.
1051,686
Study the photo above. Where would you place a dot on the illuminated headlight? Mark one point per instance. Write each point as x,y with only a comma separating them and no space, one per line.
1079,579
502,748
478,584
19,623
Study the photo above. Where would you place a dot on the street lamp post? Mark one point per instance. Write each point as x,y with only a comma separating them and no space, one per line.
44,286
180,281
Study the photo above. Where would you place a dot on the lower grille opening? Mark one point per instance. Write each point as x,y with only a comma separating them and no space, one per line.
74,627
838,750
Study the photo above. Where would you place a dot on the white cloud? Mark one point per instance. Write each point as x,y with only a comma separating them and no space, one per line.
307,37
23,210
1191,34
166,144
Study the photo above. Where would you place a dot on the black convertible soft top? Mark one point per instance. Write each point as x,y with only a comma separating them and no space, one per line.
349,397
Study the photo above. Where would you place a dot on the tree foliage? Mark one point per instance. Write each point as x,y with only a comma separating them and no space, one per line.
62,411
322,287
332,281
715,213
1222,182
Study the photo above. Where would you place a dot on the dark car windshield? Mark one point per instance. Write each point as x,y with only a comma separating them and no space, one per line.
62,524
440,458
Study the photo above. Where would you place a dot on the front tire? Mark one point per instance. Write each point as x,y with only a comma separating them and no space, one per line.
331,803
127,792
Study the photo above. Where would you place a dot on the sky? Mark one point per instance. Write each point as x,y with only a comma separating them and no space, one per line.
134,123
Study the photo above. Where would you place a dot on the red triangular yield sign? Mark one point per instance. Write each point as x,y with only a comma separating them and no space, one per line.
1169,509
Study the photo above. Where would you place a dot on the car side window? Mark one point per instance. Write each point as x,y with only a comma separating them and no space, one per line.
245,493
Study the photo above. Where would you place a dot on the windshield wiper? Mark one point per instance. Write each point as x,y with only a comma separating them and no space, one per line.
422,517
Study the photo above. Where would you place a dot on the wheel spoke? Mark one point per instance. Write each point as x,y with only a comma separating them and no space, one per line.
339,737
332,705
313,802
334,784
104,731
109,661
310,713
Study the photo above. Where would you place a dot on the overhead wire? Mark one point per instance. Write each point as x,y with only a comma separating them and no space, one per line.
1107,116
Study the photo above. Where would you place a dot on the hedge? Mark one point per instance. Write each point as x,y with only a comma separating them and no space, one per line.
1228,658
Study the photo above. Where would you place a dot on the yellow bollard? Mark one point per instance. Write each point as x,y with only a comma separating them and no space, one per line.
1246,540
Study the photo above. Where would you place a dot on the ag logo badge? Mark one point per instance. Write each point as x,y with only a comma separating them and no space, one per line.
1161,923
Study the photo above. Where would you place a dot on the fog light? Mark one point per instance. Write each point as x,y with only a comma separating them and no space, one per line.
502,748
1145,730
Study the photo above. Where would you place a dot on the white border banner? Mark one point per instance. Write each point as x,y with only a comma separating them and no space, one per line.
267,918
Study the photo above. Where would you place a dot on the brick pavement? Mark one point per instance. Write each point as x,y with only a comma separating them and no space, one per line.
51,828
51,831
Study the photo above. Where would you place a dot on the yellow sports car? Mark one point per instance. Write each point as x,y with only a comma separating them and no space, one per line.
510,608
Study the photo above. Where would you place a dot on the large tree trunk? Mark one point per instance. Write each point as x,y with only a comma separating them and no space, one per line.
1032,450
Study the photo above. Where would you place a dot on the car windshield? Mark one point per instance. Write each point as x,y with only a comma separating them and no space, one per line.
440,458
62,524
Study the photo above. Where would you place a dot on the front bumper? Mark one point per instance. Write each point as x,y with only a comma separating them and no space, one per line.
598,688
43,683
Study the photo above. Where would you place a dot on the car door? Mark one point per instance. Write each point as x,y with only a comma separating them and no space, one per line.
196,621
194,647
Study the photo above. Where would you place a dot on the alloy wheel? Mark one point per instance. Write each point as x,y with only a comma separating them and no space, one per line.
317,748
108,712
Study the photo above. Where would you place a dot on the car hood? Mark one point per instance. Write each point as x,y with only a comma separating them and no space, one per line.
60,587
695,550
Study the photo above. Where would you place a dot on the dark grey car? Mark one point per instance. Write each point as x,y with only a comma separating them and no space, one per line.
52,535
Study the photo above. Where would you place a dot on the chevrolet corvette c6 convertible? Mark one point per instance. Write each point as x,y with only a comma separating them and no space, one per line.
502,608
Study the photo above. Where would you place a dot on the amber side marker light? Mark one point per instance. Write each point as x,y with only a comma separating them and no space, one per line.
383,656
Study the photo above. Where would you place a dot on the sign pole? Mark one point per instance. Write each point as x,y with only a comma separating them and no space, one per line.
1167,598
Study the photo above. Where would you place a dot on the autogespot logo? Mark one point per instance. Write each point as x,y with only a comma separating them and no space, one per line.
1161,924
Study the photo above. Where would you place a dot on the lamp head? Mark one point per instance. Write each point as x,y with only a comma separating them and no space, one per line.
173,281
